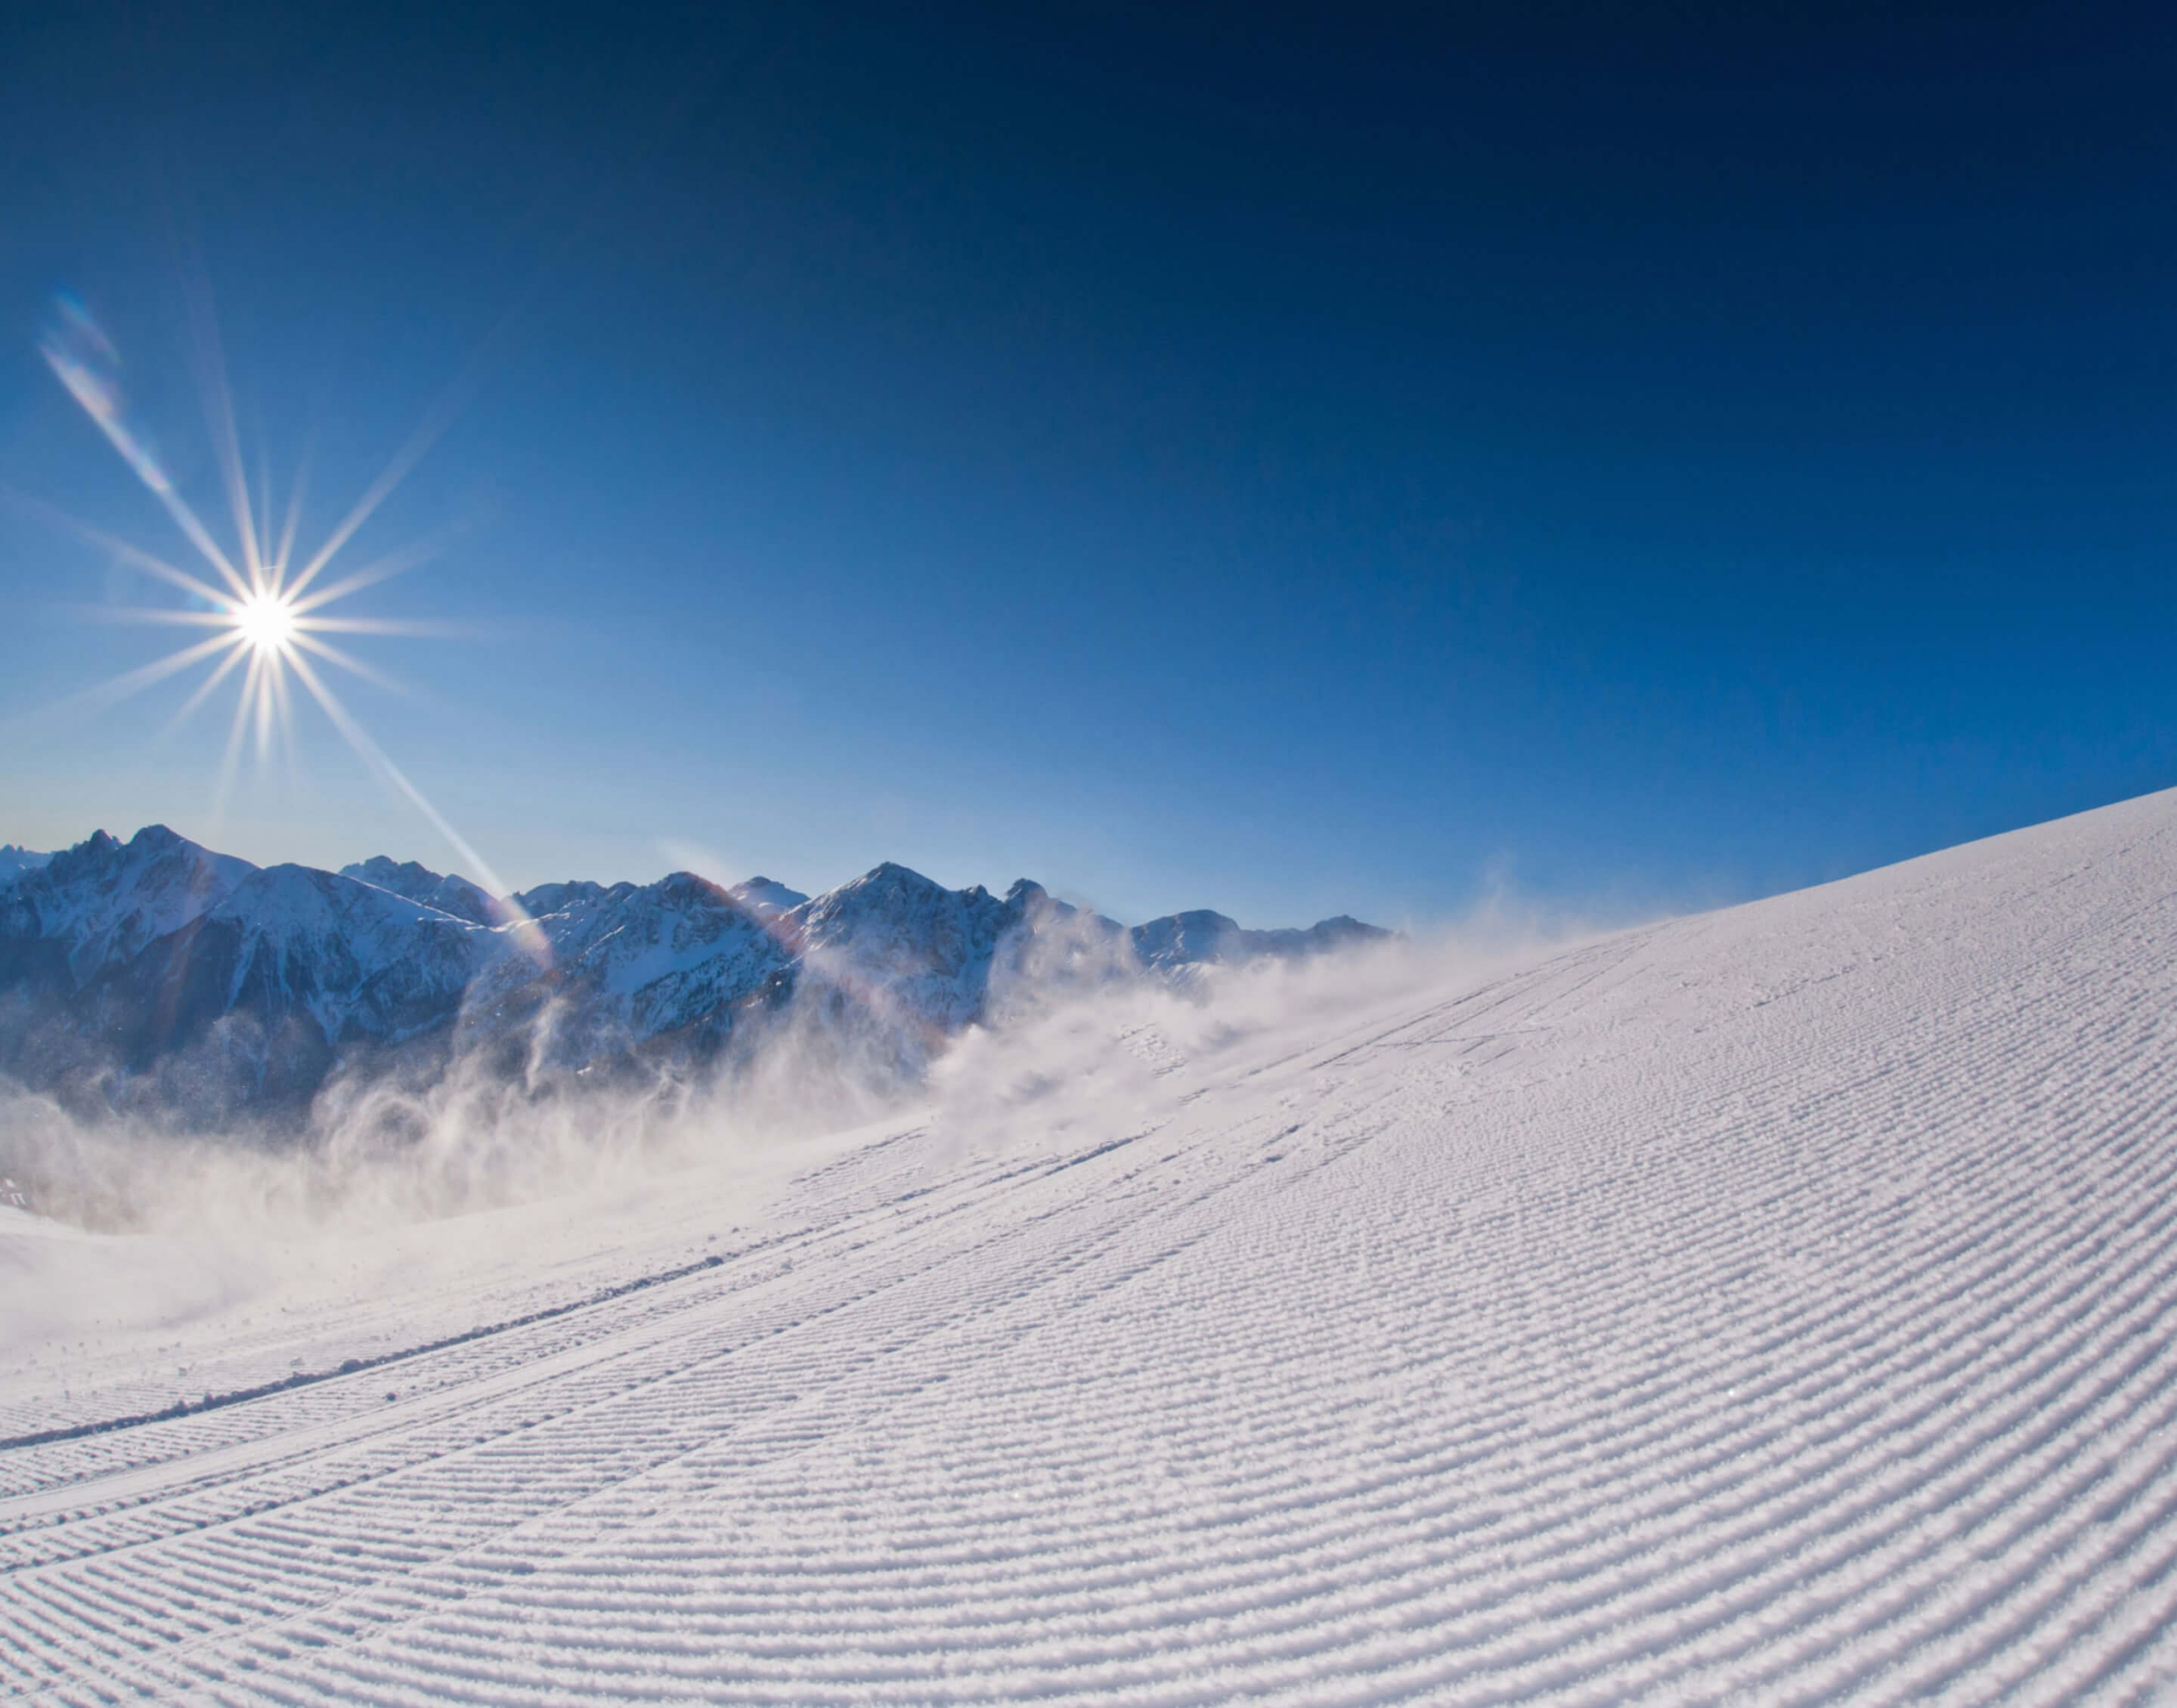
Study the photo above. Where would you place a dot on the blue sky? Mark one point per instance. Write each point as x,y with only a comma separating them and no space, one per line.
1341,462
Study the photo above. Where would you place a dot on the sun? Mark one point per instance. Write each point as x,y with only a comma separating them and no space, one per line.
265,610
263,604
267,622
259,605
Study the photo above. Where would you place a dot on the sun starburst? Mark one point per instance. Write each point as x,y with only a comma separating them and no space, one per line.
267,611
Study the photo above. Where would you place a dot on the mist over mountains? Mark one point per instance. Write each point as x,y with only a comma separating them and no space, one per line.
158,978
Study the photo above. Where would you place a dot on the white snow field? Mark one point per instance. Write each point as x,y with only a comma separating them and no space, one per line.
1770,1307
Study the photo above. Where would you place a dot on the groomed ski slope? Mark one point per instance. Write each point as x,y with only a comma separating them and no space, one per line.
1770,1306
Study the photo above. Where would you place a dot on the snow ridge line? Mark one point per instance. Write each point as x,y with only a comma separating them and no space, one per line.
356,1367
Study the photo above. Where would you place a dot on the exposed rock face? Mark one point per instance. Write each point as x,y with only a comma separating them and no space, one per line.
156,973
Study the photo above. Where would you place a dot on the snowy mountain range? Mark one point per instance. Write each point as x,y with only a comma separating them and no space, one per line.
157,973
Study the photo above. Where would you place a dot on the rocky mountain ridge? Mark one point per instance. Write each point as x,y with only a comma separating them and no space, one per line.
158,973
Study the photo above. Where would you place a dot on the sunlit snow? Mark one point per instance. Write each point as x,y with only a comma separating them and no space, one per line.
1775,1306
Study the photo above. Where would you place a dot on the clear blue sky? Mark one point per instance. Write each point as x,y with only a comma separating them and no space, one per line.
1296,463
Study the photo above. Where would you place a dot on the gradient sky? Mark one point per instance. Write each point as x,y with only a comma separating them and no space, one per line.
1294,463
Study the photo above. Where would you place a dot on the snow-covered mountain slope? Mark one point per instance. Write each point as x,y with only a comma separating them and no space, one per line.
766,897
1771,1306
103,902
896,943
449,894
160,973
637,962
360,961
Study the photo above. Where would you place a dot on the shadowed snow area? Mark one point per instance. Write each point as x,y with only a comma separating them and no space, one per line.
1773,1306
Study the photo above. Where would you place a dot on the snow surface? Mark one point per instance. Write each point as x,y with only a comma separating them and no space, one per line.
1775,1306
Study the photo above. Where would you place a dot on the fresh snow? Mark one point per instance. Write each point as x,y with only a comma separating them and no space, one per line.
1770,1307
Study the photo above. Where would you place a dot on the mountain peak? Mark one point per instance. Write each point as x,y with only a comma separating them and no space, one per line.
891,871
887,888
103,901
766,897
450,893
389,873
